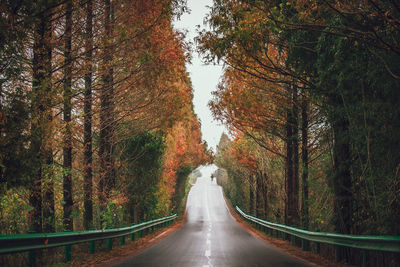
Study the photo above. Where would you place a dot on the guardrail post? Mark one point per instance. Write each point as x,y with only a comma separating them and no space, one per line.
141,231
67,250
32,254
338,254
123,237
292,238
109,244
32,258
91,244
364,258
132,234
305,245
317,245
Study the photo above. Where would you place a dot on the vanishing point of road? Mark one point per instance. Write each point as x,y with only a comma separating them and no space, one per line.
210,237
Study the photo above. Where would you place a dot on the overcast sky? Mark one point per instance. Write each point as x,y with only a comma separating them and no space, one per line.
204,78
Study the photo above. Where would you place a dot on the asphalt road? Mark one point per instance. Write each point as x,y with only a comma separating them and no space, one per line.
210,237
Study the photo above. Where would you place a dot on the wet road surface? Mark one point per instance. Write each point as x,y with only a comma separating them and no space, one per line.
210,237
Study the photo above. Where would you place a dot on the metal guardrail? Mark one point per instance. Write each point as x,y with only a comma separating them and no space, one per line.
34,241
365,242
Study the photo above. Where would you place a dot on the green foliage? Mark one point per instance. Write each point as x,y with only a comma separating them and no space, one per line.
142,160
181,182
111,216
14,139
355,85
352,79
14,209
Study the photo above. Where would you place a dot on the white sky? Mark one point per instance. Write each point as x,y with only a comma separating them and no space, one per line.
204,78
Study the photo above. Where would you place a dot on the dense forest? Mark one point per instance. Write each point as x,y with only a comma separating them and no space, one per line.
97,127
98,130
310,94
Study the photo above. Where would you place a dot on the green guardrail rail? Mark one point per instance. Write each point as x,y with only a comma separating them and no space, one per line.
35,241
363,242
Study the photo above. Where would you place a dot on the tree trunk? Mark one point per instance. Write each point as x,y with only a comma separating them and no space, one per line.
2,179
304,160
87,142
342,183
342,180
292,162
251,195
35,201
296,215
67,150
131,211
112,179
135,214
259,196
289,168
41,133
48,195
265,191
48,188
106,110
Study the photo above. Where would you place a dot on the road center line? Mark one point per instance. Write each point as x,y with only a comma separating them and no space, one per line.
206,200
